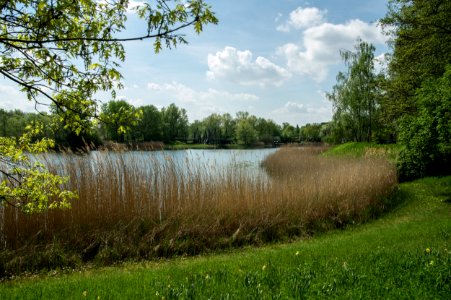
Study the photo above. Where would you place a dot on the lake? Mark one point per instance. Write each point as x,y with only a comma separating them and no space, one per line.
212,162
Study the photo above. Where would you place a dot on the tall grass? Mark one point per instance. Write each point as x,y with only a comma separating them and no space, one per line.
132,207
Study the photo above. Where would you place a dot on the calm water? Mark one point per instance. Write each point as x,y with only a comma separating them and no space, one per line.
210,161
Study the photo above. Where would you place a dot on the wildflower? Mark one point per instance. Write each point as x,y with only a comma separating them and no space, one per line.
297,253
85,293
431,263
428,250
264,267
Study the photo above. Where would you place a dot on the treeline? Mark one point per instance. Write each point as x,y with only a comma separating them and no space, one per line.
124,123
409,102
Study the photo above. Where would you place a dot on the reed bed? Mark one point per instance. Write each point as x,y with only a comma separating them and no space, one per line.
147,207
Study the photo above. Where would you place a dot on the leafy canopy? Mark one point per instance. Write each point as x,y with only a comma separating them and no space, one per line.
63,52
354,97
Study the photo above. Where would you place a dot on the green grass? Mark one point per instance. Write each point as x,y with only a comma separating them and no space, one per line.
359,149
387,259
185,146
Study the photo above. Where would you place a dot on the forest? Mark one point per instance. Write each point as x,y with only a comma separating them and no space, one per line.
138,125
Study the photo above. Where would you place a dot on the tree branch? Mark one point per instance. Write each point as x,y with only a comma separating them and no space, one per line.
140,38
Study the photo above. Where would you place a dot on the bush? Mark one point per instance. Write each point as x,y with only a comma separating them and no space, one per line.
426,137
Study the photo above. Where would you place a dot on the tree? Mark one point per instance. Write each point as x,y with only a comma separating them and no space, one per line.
149,127
420,34
418,84
268,131
426,136
196,132
245,132
25,184
65,51
228,125
355,95
212,129
121,117
288,133
175,123
311,132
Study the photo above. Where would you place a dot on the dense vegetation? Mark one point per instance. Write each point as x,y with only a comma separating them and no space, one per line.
138,125
410,102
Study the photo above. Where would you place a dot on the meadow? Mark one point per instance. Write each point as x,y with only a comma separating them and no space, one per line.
135,209
405,254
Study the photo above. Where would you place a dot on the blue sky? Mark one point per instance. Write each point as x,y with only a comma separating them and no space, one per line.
272,58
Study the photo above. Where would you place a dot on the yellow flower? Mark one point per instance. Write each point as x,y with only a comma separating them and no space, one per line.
85,293
264,267
297,253
428,250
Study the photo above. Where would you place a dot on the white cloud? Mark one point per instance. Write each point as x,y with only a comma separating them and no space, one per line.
153,86
239,66
381,62
12,98
303,18
200,104
321,44
300,113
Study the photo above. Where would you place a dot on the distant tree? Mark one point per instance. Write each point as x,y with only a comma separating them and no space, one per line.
120,117
14,123
311,132
196,132
354,97
212,129
267,130
150,126
326,132
245,132
175,123
228,125
289,133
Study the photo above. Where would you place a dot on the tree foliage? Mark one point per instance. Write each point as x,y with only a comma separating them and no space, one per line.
121,117
245,132
418,85
26,183
175,123
63,53
66,51
355,95
149,127
426,136
420,34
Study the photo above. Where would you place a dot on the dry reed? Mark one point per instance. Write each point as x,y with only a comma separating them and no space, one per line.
144,207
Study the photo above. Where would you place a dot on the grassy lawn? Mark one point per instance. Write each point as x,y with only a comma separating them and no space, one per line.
403,255
359,149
